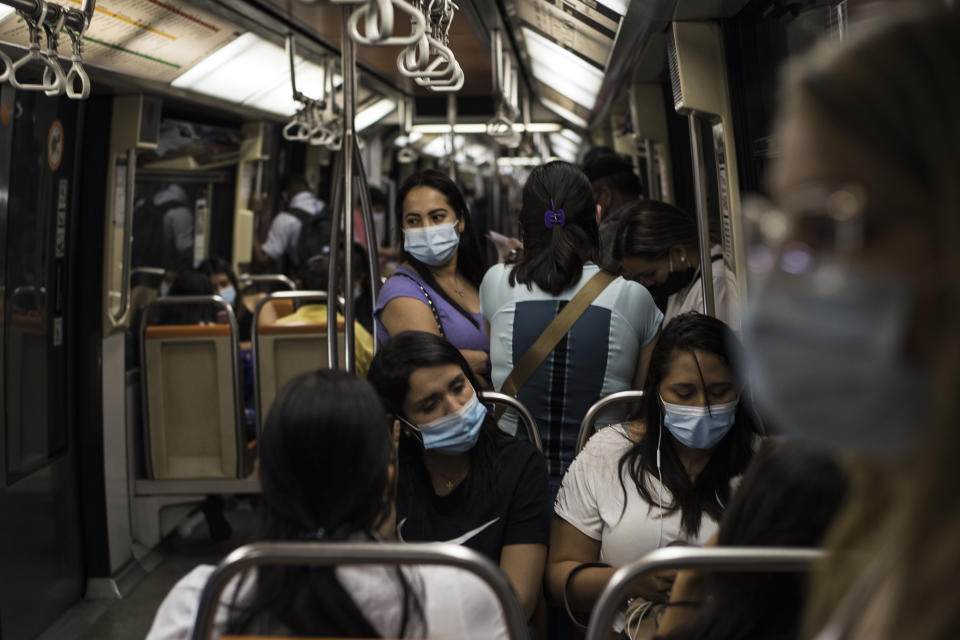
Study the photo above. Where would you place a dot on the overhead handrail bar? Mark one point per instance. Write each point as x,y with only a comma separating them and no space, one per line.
356,553
234,357
529,423
317,296
740,559
587,424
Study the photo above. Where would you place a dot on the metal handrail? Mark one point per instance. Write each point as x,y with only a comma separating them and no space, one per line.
320,296
354,553
587,426
533,431
127,236
247,279
741,559
235,358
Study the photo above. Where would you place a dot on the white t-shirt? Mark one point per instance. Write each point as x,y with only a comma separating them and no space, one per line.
725,295
592,501
456,603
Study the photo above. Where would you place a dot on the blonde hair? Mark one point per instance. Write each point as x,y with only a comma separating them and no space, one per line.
887,103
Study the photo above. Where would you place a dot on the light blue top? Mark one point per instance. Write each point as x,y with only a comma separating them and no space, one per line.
597,357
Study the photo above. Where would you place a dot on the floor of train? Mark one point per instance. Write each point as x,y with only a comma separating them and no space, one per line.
130,617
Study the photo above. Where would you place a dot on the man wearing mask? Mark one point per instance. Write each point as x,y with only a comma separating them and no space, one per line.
614,185
284,247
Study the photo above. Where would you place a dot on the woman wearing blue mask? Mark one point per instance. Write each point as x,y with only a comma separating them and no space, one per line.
224,282
460,478
662,479
436,288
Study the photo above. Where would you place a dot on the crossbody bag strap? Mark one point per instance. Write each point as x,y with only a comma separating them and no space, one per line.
554,333
433,307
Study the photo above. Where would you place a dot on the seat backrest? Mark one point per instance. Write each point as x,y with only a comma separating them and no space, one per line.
284,351
589,423
357,553
759,559
509,403
191,405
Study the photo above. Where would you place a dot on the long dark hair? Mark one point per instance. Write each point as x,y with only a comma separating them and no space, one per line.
188,283
650,228
765,513
471,263
390,374
553,258
324,457
711,491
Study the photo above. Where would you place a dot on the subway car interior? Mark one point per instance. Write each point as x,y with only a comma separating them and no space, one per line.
164,210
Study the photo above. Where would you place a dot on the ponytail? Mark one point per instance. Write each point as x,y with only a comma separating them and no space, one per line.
558,226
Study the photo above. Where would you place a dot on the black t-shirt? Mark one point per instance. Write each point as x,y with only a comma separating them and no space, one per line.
516,511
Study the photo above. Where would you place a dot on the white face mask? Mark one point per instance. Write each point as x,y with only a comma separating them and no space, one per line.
433,245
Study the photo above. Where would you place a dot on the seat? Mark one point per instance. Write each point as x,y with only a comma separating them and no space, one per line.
496,398
191,397
283,351
588,424
761,559
326,553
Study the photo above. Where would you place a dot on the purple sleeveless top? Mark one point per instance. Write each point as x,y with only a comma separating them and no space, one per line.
460,332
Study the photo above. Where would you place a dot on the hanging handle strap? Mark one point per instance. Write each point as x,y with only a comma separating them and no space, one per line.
554,333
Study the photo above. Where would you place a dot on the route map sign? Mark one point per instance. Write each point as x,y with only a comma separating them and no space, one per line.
157,39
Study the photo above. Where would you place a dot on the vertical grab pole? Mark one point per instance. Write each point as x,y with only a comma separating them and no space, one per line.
452,120
333,359
349,72
373,260
703,223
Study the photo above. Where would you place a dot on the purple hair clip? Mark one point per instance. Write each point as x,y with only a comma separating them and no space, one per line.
552,217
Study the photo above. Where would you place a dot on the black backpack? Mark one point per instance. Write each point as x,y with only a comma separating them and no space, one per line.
314,238
149,247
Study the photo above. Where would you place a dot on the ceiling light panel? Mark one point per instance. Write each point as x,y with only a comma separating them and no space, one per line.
562,70
564,113
253,72
373,114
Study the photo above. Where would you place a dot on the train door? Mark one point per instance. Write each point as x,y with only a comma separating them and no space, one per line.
40,541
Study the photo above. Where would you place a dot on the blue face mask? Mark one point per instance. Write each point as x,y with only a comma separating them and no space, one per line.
699,427
823,352
433,245
229,294
456,432
164,289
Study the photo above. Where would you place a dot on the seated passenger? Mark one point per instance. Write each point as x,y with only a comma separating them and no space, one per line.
607,348
663,479
657,244
315,278
187,283
327,472
224,282
461,478
436,287
788,498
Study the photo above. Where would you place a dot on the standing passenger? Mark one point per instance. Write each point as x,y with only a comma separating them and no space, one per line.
607,348
461,479
854,338
436,288
658,244
283,240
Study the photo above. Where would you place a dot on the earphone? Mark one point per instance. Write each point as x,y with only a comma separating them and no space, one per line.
660,486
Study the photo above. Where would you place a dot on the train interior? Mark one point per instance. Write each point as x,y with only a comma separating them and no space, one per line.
161,138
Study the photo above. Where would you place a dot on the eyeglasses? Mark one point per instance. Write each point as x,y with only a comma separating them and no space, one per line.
812,223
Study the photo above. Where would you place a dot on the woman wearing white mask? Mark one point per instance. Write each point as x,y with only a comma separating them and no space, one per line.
854,332
460,478
436,288
662,479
